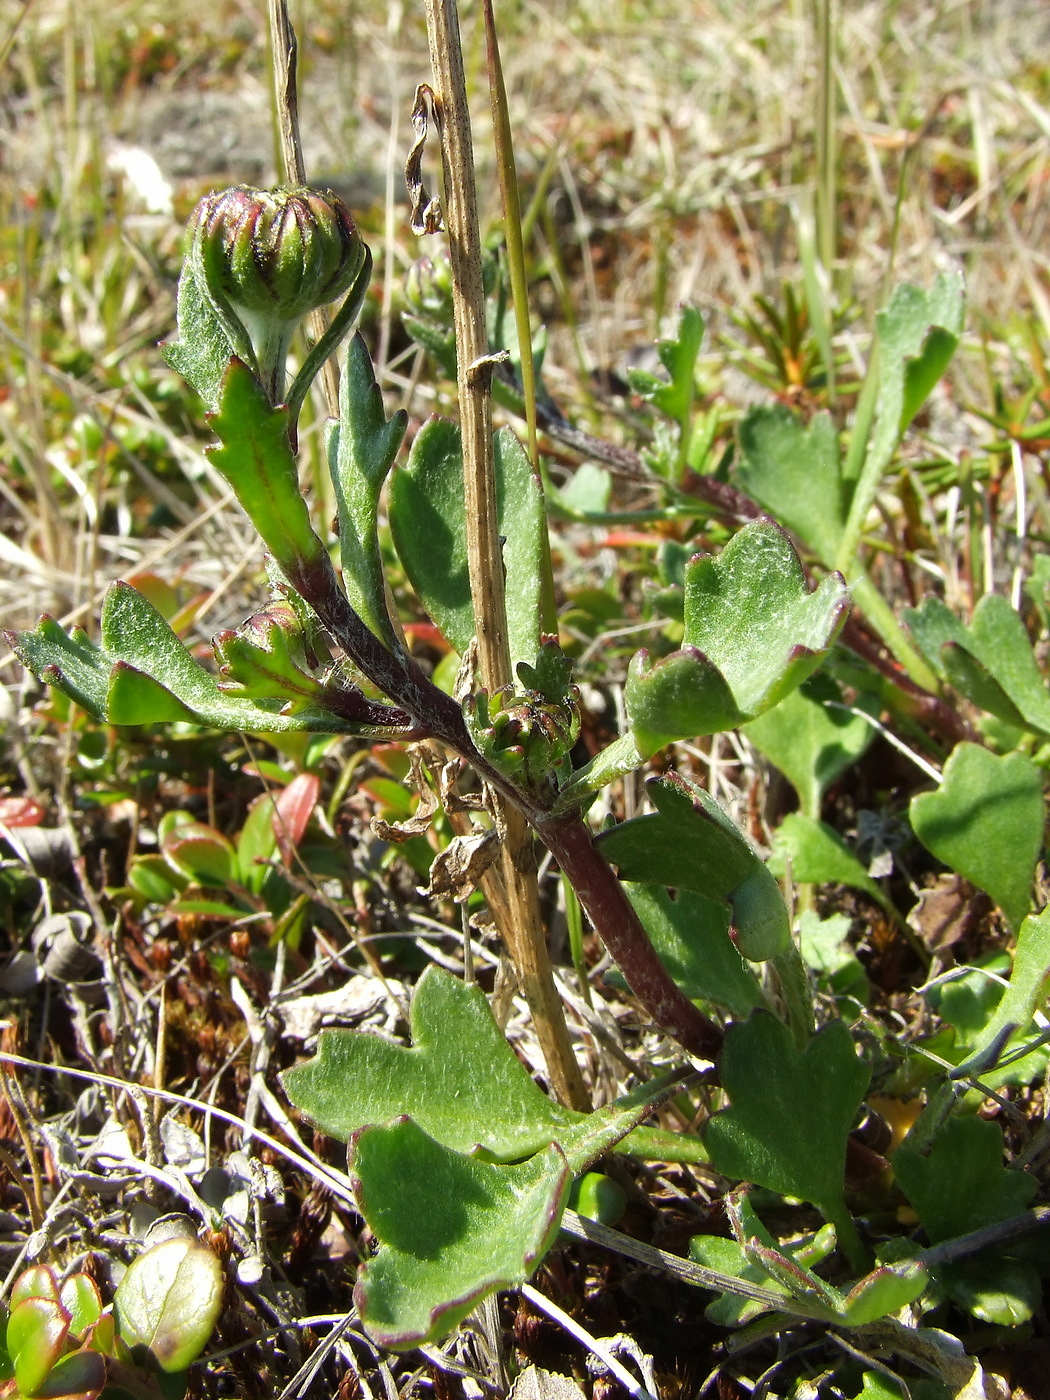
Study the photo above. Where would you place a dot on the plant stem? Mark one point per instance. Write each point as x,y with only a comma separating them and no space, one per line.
613,916
797,995
856,1253
523,930
484,557
566,836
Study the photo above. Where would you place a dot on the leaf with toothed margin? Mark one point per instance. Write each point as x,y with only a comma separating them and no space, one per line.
142,674
790,1111
70,662
453,1228
986,821
428,524
689,843
991,661
255,456
791,469
358,1078
753,632
464,1196
203,349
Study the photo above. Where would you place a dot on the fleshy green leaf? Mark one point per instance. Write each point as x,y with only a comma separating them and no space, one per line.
1001,1291
587,491
81,1299
689,843
437,340
264,661
142,674
361,450
460,1081
917,335
818,856
986,821
728,1257
451,1228
428,522
877,1386
792,470
201,853
810,739
691,938
789,1113
71,662
169,1301
203,350
884,1291
825,951
731,1257
81,1375
959,1183
674,396
36,1337
753,632
991,662
1018,1004
38,1281
681,696
255,456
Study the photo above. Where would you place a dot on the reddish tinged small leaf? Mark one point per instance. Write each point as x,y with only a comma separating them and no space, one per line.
201,853
36,1338
82,1300
292,811
79,1376
36,1282
21,811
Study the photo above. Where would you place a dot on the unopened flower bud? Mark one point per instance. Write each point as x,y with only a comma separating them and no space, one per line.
269,257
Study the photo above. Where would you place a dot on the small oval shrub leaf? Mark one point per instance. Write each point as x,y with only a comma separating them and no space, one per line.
169,1301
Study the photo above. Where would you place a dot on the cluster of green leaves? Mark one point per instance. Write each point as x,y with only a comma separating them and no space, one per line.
61,1343
462,1176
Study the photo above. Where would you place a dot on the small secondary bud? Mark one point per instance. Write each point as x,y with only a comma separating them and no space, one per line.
428,288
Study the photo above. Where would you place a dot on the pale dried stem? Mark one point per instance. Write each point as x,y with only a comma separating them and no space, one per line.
522,930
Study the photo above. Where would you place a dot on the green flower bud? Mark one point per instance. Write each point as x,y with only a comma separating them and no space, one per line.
268,258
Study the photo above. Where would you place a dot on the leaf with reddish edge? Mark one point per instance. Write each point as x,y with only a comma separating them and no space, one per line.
453,1228
21,811
201,853
38,1281
82,1300
81,1375
357,1078
255,456
753,633
36,1337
